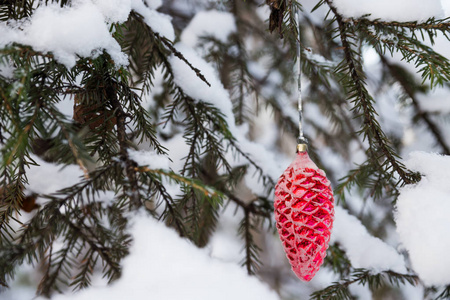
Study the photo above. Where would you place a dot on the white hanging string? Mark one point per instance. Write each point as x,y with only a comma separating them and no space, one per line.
301,138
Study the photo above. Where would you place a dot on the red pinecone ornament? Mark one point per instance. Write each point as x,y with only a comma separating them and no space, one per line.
304,213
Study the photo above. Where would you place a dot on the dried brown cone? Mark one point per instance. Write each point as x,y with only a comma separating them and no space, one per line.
93,115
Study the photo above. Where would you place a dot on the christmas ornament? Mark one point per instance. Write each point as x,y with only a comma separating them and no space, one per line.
304,214
304,205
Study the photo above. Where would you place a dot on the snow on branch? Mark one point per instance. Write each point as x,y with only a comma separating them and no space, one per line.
422,217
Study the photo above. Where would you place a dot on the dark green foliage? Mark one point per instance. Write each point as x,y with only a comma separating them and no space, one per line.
108,120
339,290
445,293
73,235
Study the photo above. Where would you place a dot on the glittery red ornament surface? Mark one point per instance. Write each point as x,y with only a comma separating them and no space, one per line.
304,212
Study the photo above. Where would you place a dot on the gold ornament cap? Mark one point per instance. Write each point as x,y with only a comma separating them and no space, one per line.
302,148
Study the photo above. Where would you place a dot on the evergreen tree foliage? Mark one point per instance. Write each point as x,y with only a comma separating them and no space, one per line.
73,235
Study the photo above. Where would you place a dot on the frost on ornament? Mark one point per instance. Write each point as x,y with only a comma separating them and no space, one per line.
304,212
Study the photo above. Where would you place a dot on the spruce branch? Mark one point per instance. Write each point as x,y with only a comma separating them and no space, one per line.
55,264
337,260
402,80
213,116
124,145
73,234
178,54
170,214
266,178
78,235
251,260
250,207
430,24
65,129
445,294
363,102
201,215
16,10
96,244
48,223
196,184
339,290
435,67
216,119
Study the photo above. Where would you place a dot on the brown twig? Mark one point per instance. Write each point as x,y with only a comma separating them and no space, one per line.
130,165
178,54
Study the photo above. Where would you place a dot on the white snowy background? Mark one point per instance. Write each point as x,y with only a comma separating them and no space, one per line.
163,266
